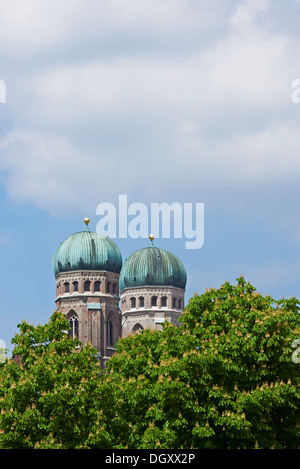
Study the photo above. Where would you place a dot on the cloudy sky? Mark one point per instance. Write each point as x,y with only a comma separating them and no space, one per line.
185,101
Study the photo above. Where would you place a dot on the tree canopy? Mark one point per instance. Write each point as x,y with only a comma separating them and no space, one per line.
50,400
224,379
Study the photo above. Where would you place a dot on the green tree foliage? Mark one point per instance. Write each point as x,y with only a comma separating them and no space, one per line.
224,379
51,399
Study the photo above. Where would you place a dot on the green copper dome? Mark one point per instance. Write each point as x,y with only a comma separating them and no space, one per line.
152,266
87,250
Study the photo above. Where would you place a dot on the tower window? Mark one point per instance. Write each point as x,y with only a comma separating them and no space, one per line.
97,286
142,302
132,302
67,287
73,332
179,304
110,333
137,328
154,301
108,287
75,286
87,285
114,289
174,303
164,301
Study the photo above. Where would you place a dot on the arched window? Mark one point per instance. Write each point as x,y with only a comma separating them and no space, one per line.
137,328
110,341
164,301
174,303
97,286
87,285
108,287
179,304
114,289
132,302
154,301
142,301
67,287
73,321
75,286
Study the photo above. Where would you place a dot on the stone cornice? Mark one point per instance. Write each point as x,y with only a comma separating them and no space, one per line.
87,273
151,312
151,290
108,297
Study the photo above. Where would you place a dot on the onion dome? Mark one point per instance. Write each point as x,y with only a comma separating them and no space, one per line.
152,266
87,250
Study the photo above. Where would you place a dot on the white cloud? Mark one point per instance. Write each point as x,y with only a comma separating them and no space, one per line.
51,172
248,11
259,157
34,166
243,77
31,28
216,107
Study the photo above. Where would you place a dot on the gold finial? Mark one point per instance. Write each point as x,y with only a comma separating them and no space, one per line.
151,237
86,221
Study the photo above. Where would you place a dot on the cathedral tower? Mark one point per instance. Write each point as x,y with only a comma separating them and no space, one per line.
152,287
87,268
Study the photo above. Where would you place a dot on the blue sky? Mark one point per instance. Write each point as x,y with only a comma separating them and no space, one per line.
162,100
